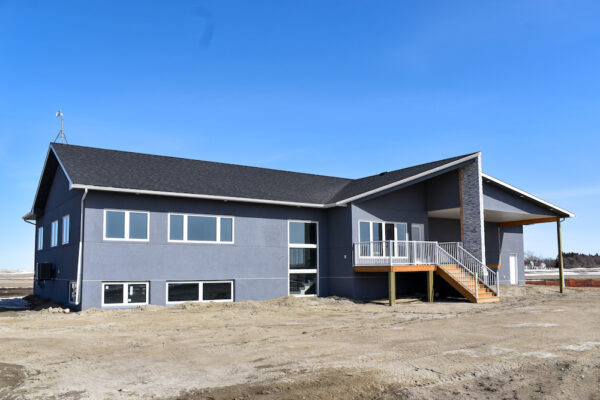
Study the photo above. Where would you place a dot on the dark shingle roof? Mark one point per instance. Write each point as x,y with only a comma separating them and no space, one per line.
126,170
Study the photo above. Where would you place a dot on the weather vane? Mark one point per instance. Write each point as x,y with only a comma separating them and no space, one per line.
61,133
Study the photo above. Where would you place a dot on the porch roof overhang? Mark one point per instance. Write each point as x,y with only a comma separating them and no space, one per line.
505,218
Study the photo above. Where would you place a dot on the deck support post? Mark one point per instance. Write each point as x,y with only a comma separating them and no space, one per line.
560,258
430,286
392,285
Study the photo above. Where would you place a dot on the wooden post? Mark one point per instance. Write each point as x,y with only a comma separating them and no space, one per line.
430,293
392,279
560,258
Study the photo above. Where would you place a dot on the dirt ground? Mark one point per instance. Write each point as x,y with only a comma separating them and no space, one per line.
535,344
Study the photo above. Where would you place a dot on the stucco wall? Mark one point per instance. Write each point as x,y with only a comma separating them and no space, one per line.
60,202
257,261
444,229
512,243
442,192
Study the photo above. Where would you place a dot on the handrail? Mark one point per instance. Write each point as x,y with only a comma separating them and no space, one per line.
404,252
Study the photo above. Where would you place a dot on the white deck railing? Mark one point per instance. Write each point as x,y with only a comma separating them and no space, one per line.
398,253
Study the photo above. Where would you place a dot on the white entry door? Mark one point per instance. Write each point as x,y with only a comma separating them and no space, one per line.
514,272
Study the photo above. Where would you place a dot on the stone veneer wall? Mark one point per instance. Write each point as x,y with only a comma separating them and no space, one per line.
472,209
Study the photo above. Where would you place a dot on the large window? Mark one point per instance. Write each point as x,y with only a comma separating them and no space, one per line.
40,238
303,259
126,225
54,234
373,236
66,222
220,291
124,293
200,228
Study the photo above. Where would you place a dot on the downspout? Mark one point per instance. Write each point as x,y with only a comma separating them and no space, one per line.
80,258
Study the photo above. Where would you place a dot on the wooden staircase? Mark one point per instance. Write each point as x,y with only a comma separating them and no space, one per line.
465,284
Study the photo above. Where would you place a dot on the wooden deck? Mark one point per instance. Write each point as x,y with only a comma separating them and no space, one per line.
394,268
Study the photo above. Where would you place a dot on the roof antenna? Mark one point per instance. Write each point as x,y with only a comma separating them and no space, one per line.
61,133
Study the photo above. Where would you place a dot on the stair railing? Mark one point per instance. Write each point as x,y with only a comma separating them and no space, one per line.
470,262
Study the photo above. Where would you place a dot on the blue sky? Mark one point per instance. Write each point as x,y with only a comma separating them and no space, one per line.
345,88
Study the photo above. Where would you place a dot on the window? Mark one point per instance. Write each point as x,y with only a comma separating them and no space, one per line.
40,238
126,225
200,228
54,234
65,229
303,259
220,291
373,236
124,293
72,292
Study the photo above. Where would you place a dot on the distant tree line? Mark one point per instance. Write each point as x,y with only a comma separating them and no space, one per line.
570,260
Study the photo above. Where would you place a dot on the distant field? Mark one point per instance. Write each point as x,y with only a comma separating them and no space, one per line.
15,283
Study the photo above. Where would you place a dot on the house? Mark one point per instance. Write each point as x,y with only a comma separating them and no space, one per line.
122,229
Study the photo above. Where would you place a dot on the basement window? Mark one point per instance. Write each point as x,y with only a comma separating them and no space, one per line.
218,291
72,292
126,225
124,293
200,228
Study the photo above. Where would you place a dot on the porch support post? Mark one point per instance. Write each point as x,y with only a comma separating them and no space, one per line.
392,281
560,258
430,286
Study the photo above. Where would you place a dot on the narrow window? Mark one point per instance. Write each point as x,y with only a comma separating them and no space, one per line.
54,234
72,292
40,238
65,229
217,291
183,292
226,229
303,258
175,227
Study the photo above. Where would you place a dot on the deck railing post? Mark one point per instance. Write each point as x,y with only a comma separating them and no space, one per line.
476,286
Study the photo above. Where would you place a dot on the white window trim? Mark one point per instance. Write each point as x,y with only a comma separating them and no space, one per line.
302,246
200,292
40,238
71,301
185,229
126,238
54,233
371,222
125,291
68,229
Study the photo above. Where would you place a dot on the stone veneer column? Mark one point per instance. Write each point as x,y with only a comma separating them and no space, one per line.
471,192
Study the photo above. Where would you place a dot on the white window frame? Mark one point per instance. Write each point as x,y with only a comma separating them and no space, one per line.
40,238
302,246
127,214
66,228
200,292
371,222
185,229
73,284
125,291
54,233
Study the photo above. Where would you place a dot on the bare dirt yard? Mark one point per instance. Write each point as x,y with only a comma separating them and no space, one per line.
535,344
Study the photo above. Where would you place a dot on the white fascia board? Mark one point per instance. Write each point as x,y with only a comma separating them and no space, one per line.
37,192
201,196
407,180
529,195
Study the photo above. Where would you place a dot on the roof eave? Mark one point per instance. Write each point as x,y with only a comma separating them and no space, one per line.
549,205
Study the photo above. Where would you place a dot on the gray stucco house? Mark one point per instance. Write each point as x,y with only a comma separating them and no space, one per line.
122,229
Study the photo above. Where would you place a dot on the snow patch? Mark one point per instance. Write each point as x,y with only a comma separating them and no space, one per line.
585,346
539,354
531,325
465,352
